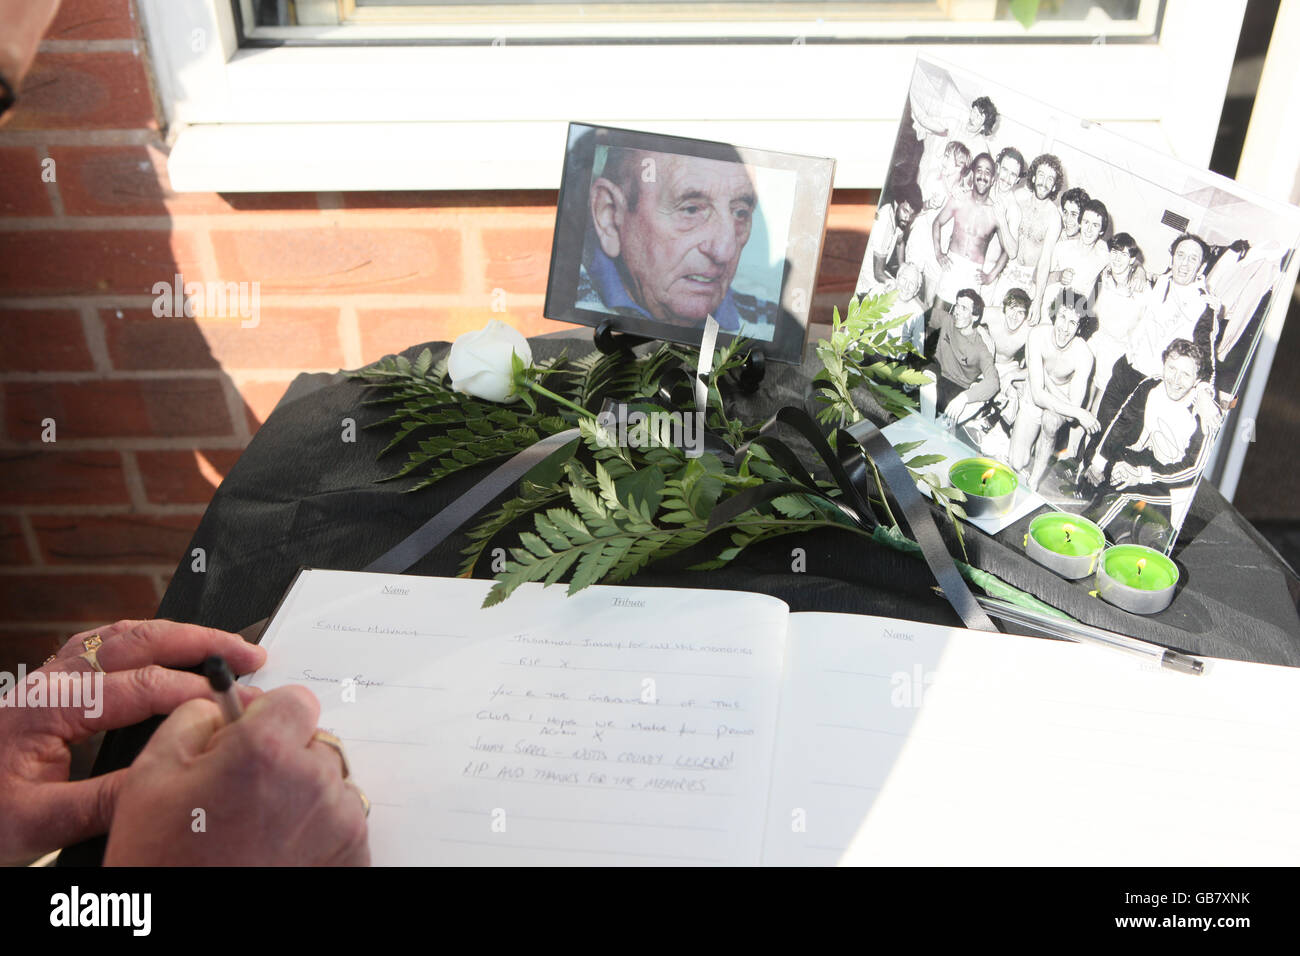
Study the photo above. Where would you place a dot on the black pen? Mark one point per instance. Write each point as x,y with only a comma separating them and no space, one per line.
222,680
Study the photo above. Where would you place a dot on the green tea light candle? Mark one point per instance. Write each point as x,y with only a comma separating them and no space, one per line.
1138,579
989,486
1065,543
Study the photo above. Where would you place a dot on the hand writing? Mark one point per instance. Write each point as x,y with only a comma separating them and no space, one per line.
40,810
270,794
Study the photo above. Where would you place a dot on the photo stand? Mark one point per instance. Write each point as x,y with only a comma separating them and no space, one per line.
752,372
610,342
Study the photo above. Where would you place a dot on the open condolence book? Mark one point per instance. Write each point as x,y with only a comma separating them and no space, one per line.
668,726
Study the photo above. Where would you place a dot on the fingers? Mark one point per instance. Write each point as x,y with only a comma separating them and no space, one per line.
276,736
110,701
326,744
76,644
71,812
131,644
177,645
187,731
281,720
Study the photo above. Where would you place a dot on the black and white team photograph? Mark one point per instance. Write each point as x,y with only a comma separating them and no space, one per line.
1086,305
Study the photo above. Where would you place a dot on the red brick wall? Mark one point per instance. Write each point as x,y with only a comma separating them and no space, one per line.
151,412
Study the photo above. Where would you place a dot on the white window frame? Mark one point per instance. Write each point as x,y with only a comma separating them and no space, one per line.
329,118
946,19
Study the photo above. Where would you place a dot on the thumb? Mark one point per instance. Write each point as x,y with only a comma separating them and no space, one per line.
72,812
186,732
76,811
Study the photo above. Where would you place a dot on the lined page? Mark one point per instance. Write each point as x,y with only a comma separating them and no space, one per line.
619,726
839,731
910,744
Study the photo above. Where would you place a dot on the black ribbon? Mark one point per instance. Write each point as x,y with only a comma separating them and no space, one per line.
859,446
402,556
432,533
803,423
742,501
863,442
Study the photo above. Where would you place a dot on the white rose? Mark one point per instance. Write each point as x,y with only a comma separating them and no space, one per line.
479,363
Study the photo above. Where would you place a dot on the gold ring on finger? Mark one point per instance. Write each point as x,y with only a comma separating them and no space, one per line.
329,740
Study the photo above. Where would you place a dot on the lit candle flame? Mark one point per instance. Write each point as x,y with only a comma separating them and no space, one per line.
1067,528
984,479
1142,563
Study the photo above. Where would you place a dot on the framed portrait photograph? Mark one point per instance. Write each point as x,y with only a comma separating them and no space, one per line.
1088,305
656,233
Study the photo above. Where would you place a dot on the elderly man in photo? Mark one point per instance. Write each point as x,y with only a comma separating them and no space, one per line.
669,233
1152,450
1058,363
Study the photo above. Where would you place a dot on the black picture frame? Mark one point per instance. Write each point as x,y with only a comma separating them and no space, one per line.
805,199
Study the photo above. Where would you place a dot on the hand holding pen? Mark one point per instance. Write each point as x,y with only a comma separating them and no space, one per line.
249,781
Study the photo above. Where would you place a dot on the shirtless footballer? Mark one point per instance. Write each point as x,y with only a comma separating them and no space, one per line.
976,218
1040,226
1059,363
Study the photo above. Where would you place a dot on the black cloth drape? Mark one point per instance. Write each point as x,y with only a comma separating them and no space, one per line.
302,496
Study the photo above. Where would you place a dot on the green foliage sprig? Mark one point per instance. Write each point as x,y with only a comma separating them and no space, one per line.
864,349
599,513
454,431
622,509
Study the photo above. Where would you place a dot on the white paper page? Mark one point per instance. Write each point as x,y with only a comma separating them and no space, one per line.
1029,752
839,731
619,726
